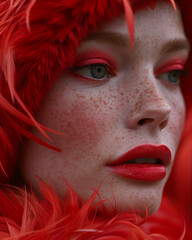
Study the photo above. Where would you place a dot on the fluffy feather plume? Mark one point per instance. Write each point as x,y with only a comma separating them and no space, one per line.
32,56
10,11
24,216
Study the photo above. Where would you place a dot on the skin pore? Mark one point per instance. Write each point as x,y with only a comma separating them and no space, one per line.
112,100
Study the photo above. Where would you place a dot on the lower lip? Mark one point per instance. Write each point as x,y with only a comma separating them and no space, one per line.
141,172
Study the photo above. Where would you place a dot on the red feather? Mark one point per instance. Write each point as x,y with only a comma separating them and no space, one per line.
32,56
130,20
24,216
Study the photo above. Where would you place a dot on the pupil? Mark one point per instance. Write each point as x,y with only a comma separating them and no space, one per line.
173,76
98,71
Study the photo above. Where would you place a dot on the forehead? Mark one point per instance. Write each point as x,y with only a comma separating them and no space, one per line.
163,18
160,27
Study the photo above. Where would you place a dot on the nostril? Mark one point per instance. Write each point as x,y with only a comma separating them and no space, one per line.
145,120
163,124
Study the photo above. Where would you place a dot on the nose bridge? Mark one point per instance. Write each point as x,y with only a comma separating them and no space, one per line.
150,106
150,97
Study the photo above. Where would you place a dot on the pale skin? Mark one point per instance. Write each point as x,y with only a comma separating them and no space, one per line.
104,118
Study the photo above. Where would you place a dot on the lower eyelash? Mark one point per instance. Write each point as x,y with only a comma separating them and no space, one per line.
110,72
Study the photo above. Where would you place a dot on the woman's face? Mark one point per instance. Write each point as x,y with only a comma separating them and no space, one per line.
119,104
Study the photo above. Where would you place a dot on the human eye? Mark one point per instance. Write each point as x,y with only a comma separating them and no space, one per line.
95,66
96,71
171,72
173,77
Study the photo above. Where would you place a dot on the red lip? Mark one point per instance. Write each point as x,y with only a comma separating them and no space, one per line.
142,171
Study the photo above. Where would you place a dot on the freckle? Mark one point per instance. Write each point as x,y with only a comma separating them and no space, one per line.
133,97
80,96
138,106
136,91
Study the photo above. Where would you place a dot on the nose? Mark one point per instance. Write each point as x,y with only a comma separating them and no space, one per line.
151,109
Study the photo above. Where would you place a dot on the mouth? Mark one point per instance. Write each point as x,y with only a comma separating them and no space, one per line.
143,163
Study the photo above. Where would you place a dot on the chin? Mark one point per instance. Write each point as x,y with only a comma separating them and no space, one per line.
145,201
148,208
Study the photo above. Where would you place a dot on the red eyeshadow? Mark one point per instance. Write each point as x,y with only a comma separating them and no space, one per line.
176,64
93,57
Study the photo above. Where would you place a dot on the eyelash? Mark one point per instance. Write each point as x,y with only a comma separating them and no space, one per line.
87,71
175,68
179,73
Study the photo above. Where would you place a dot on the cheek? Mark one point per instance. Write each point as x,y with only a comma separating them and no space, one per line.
177,117
84,116
78,126
84,119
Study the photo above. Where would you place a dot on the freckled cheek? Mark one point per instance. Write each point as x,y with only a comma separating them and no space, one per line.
88,115
177,119
84,121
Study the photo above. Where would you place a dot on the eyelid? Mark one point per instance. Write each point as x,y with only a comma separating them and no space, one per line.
170,66
80,77
95,57
88,62
92,61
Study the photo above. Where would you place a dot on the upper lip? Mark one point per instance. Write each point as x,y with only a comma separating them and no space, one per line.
160,152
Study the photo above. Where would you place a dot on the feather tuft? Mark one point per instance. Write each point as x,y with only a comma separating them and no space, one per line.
130,20
174,5
24,216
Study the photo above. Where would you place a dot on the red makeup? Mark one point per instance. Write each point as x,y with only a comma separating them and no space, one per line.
143,163
89,61
176,64
94,57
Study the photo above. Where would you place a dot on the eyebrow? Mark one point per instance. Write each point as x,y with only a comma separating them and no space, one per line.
122,40
174,45
113,38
